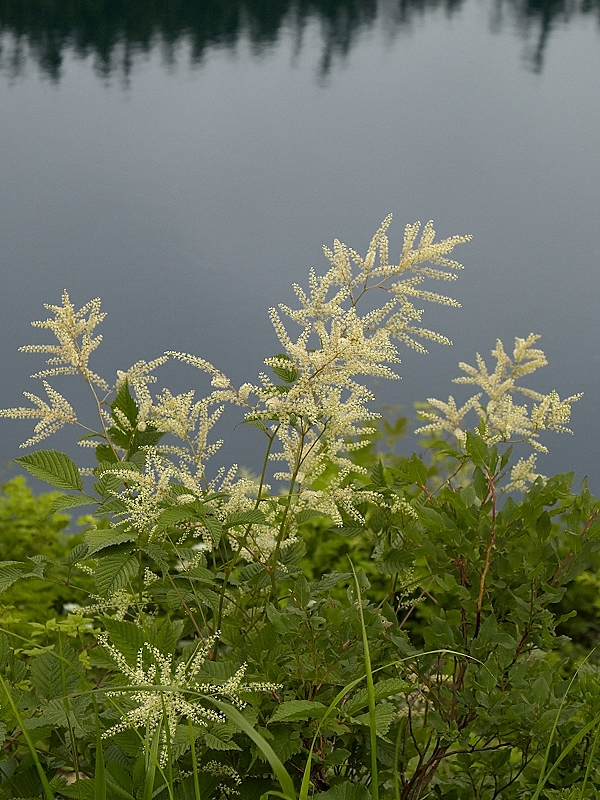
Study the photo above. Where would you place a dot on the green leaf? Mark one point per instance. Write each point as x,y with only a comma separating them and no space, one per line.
158,555
346,791
70,501
125,403
480,482
382,690
114,572
104,453
327,582
10,571
100,538
307,514
77,553
477,450
79,790
215,529
52,467
253,517
175,514
75,715
48,671
287,374
416,470
126,637
148,438
348,530
384,715
216,743
5,650
301,592
297,710
378,475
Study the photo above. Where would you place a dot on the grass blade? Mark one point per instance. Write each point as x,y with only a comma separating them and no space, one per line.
370,692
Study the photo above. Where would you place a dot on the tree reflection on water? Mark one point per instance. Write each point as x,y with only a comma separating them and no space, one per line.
115,33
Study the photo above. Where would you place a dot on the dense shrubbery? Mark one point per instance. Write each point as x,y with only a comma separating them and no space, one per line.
353,624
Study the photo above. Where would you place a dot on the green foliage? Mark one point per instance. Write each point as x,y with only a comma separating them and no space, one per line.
31,537
376,626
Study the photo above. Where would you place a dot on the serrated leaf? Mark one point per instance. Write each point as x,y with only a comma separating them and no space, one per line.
288,375
348,530
297,710
49,670
174,515
100,657
252,517
205,597
107,485
215,529
215,743
114,572
104,453
77,553
329,581
157,554
125,636
100,538
306,515
78,717
287,372
382,690
125,403
10,571
378,475
384,715
416,470
477,448
112,506
53,467
80,790
256,423
148,438
301,592
346,791
5,650
70,501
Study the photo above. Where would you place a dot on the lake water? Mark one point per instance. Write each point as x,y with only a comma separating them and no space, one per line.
186,161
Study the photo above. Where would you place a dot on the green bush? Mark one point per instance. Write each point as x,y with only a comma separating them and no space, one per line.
229,646
28,529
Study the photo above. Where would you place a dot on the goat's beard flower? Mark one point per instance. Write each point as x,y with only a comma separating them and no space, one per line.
500,419
169,692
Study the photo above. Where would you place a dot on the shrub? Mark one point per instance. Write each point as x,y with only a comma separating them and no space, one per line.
228,647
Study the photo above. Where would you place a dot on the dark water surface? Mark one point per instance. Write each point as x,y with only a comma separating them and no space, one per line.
186,161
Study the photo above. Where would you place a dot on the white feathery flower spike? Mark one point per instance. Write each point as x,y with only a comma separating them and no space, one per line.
500,418
168,691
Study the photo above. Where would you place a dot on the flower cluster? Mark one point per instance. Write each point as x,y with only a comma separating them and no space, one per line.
52,416
500,418
315,411
74,331
319,414
168,692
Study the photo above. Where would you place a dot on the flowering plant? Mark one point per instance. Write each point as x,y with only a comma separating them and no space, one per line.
199,578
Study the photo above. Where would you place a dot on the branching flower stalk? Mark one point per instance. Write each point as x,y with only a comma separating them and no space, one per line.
500,419
314,418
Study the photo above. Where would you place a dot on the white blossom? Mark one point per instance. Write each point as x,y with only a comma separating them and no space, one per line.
168,691
499,417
